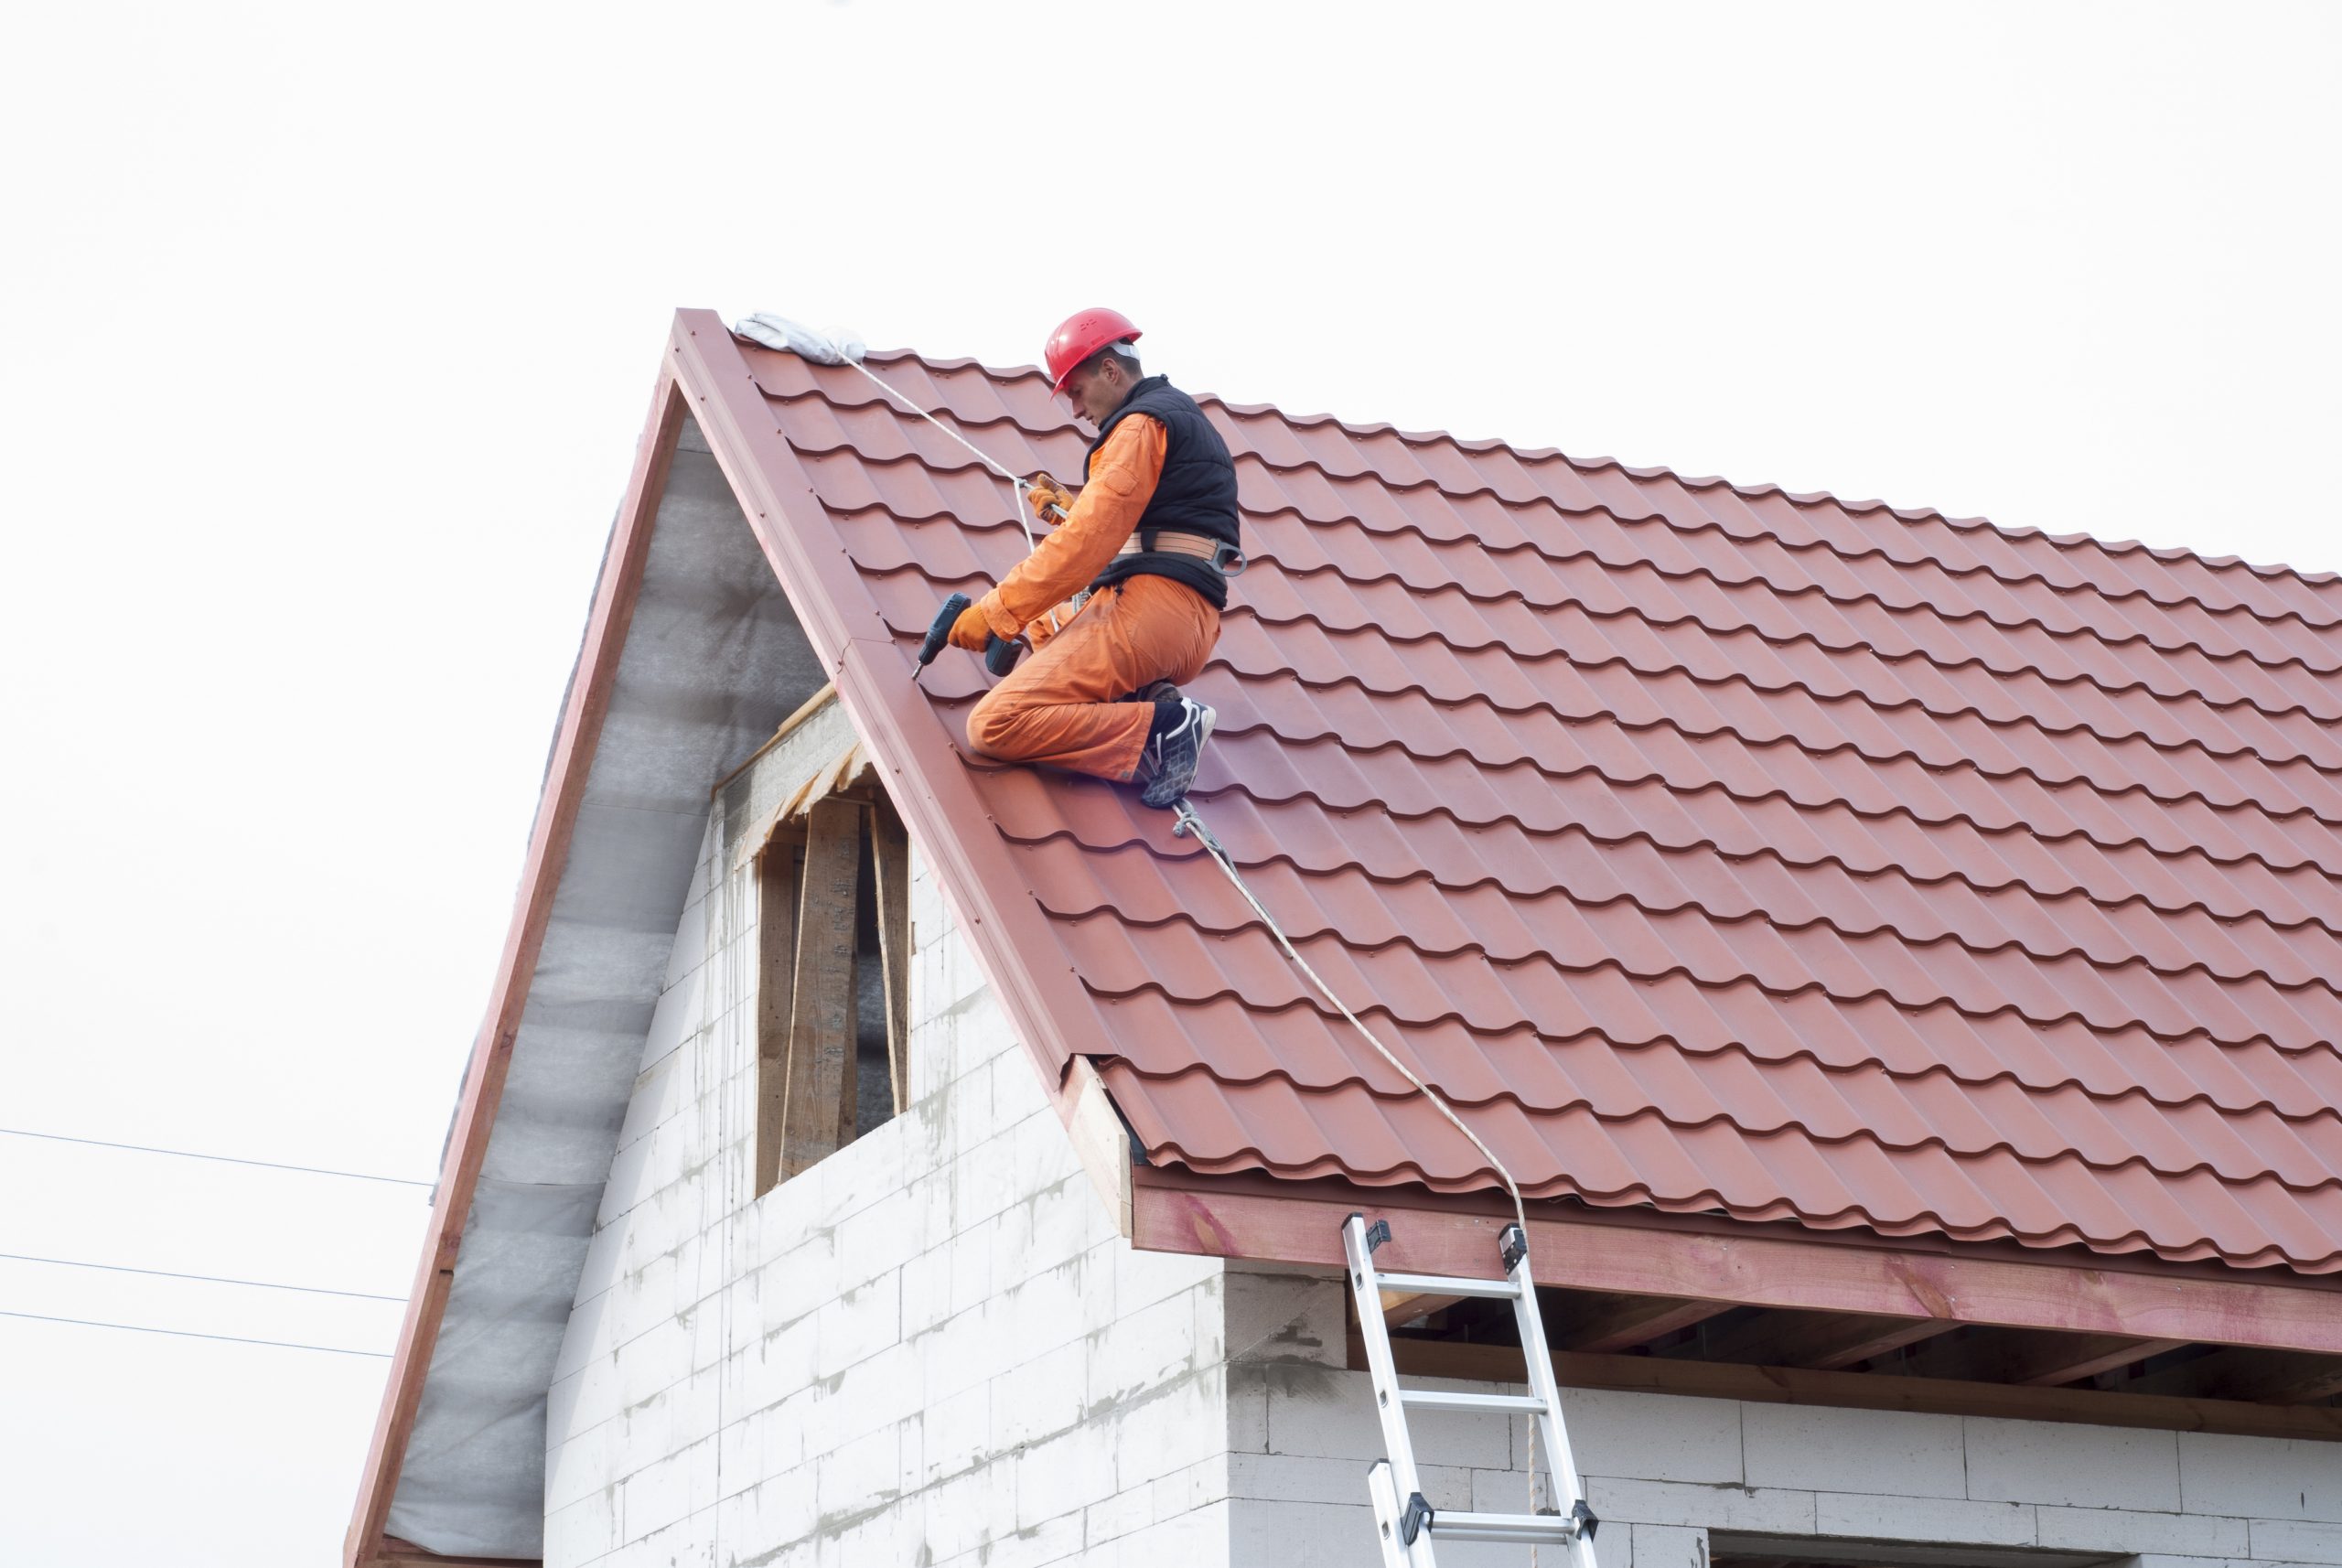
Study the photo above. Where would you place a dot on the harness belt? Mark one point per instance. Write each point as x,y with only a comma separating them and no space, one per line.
1226,557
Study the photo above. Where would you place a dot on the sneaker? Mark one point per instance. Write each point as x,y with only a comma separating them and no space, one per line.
1175,753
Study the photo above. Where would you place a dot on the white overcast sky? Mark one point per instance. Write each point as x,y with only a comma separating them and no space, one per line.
326,333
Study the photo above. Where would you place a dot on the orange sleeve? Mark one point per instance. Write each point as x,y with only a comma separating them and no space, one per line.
1122,481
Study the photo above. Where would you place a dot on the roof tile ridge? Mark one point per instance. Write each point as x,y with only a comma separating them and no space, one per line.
2253,808
952,462
2016,887
1878,992
1919,656
2066,542
1707,1200
1692,906
2075,542
1850,646
1664,1040
1757,581
1974,824
2330,1181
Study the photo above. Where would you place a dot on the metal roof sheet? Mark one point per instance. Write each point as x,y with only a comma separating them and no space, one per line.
1720,849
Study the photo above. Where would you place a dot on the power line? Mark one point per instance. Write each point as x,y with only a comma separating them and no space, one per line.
224,1159
191,1334
208,1279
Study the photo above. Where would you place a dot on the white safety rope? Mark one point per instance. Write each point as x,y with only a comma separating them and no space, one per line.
1188,822
1016,487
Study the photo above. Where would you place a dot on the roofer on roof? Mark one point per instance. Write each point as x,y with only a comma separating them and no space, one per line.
1149,542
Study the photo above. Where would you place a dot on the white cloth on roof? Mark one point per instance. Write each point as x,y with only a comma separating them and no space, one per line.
838,346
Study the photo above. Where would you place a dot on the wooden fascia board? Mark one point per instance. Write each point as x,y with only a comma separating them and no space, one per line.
1629,1254
557,806
923,768
1864,1391
393,1552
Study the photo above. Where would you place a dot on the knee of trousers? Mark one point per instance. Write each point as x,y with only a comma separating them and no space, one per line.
991,725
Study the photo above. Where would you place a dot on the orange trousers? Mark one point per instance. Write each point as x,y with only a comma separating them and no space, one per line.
1060,708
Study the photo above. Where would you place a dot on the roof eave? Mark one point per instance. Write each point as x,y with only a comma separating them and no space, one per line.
1261,1220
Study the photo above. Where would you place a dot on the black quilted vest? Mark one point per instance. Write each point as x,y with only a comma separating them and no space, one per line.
1197,493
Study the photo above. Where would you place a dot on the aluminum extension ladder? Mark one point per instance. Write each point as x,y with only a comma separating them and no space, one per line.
1408,1525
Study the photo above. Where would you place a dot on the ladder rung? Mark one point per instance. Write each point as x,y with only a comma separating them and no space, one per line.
1533,1528
1437,1284
1516,1404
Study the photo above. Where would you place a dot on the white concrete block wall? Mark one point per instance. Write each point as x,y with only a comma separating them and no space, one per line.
1664,1472
931,1349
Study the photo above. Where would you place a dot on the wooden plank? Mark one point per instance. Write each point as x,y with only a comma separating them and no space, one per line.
2083,1356
1298,1222
2033,1358
1864,1391
1823,1341
1602,1324
818,1086
890,854
618,588
2267,1377
778,869
805,710
1398,1309
394,1552
1103,1148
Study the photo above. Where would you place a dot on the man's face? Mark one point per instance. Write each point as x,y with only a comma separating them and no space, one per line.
1096,391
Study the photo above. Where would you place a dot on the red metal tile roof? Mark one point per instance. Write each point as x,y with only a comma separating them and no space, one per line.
1717,848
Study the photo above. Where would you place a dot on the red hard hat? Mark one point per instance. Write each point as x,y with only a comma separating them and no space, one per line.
1080,335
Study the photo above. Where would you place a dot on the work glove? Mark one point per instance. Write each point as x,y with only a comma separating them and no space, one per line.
971,630
1042,492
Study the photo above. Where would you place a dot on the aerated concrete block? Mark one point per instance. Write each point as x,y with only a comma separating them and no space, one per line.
1283,1317
2119,1529
1814,1449
1061,1476
1303,1535
961,1516
1868,1516
1767,1510
2302,1541
2268,1477
1653,1437
2077,1467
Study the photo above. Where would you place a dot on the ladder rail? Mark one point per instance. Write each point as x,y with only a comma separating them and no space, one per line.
1401,1477
1569,1486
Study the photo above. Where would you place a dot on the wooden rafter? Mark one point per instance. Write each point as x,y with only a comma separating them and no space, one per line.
1626,1253
777,877
394,1552
1400,1308
1865,1390
818,1086
1599,1325
2032,1359
890,852
2267,1377
1823,1341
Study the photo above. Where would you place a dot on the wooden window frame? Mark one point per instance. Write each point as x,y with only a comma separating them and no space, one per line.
808,966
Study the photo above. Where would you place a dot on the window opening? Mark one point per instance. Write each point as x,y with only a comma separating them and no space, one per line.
832,976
